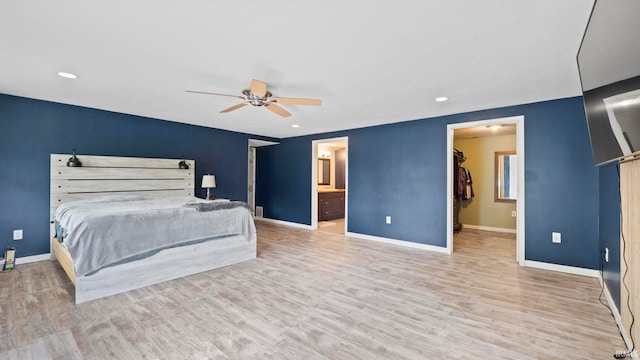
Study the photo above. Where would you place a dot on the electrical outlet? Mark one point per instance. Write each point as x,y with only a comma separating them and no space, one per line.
17,234
556,237
513,213
606,254
388,219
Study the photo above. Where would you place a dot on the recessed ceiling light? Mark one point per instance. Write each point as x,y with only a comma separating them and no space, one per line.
295,126
441,99
494,127
67,75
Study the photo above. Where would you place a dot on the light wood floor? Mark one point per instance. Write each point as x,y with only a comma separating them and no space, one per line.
333,226
315,295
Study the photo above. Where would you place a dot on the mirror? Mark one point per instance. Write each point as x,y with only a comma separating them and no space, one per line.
506,181
324,166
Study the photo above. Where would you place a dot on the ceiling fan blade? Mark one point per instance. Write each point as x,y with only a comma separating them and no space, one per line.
258,88
210,93
278,110
234,107
296,101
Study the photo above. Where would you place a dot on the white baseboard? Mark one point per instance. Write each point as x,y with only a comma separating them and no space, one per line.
562,268
489,228
282,222
410,244
33,258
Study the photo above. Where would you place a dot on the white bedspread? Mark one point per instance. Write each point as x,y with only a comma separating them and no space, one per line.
102,231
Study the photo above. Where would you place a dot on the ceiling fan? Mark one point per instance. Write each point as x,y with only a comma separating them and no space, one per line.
258,95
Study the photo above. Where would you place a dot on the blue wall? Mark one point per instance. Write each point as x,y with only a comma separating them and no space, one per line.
609,213
31,130
397,169
400,170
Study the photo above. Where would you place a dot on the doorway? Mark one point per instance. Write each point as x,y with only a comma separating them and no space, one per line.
518,122
330,185
251,171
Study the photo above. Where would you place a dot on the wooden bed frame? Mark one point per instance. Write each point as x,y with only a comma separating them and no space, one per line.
104,175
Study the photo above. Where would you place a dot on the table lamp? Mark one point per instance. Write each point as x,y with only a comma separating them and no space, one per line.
209,181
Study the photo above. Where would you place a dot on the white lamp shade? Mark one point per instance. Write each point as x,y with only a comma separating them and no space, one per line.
208,181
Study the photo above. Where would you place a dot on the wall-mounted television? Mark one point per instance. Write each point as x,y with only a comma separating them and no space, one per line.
609,66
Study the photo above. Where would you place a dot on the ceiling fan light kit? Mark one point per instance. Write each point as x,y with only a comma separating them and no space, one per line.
258,95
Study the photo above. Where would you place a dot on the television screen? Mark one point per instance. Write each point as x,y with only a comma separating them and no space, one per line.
609,65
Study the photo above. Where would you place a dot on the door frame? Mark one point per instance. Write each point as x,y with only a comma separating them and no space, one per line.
314,180
251,169
520,203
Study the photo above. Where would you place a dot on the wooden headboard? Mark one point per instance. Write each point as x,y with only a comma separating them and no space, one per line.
111,175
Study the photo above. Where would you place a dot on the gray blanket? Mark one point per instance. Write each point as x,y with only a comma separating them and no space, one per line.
107,230
211,206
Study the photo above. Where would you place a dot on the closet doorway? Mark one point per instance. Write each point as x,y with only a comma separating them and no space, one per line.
330,185
456,192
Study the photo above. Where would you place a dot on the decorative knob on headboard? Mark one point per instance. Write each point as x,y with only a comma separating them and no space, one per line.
74,161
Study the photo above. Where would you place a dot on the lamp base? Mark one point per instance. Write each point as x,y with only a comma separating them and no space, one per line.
210,195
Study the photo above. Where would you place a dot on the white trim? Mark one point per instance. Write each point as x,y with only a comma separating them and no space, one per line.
449,189
261,143
251,177
520,220
282,222
520,204
489,228
404,243
562,268
314,180
33,258
314,185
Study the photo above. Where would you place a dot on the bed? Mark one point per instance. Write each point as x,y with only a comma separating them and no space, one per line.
215,234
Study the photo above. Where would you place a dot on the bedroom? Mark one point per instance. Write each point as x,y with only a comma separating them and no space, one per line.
399,162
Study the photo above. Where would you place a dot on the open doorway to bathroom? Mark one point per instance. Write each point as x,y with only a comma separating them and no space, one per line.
329,206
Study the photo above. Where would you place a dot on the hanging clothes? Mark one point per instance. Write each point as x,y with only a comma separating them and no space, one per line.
468,185
461,183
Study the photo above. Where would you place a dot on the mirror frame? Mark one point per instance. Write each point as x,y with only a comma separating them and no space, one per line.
322,162
496,183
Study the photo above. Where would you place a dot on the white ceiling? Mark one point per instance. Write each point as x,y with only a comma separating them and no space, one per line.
370,62
484,131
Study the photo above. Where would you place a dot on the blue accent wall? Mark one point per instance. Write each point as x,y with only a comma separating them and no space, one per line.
31,130
609,214
396,169
400,170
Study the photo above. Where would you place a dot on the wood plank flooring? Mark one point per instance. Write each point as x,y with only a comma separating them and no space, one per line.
334,226
315,295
